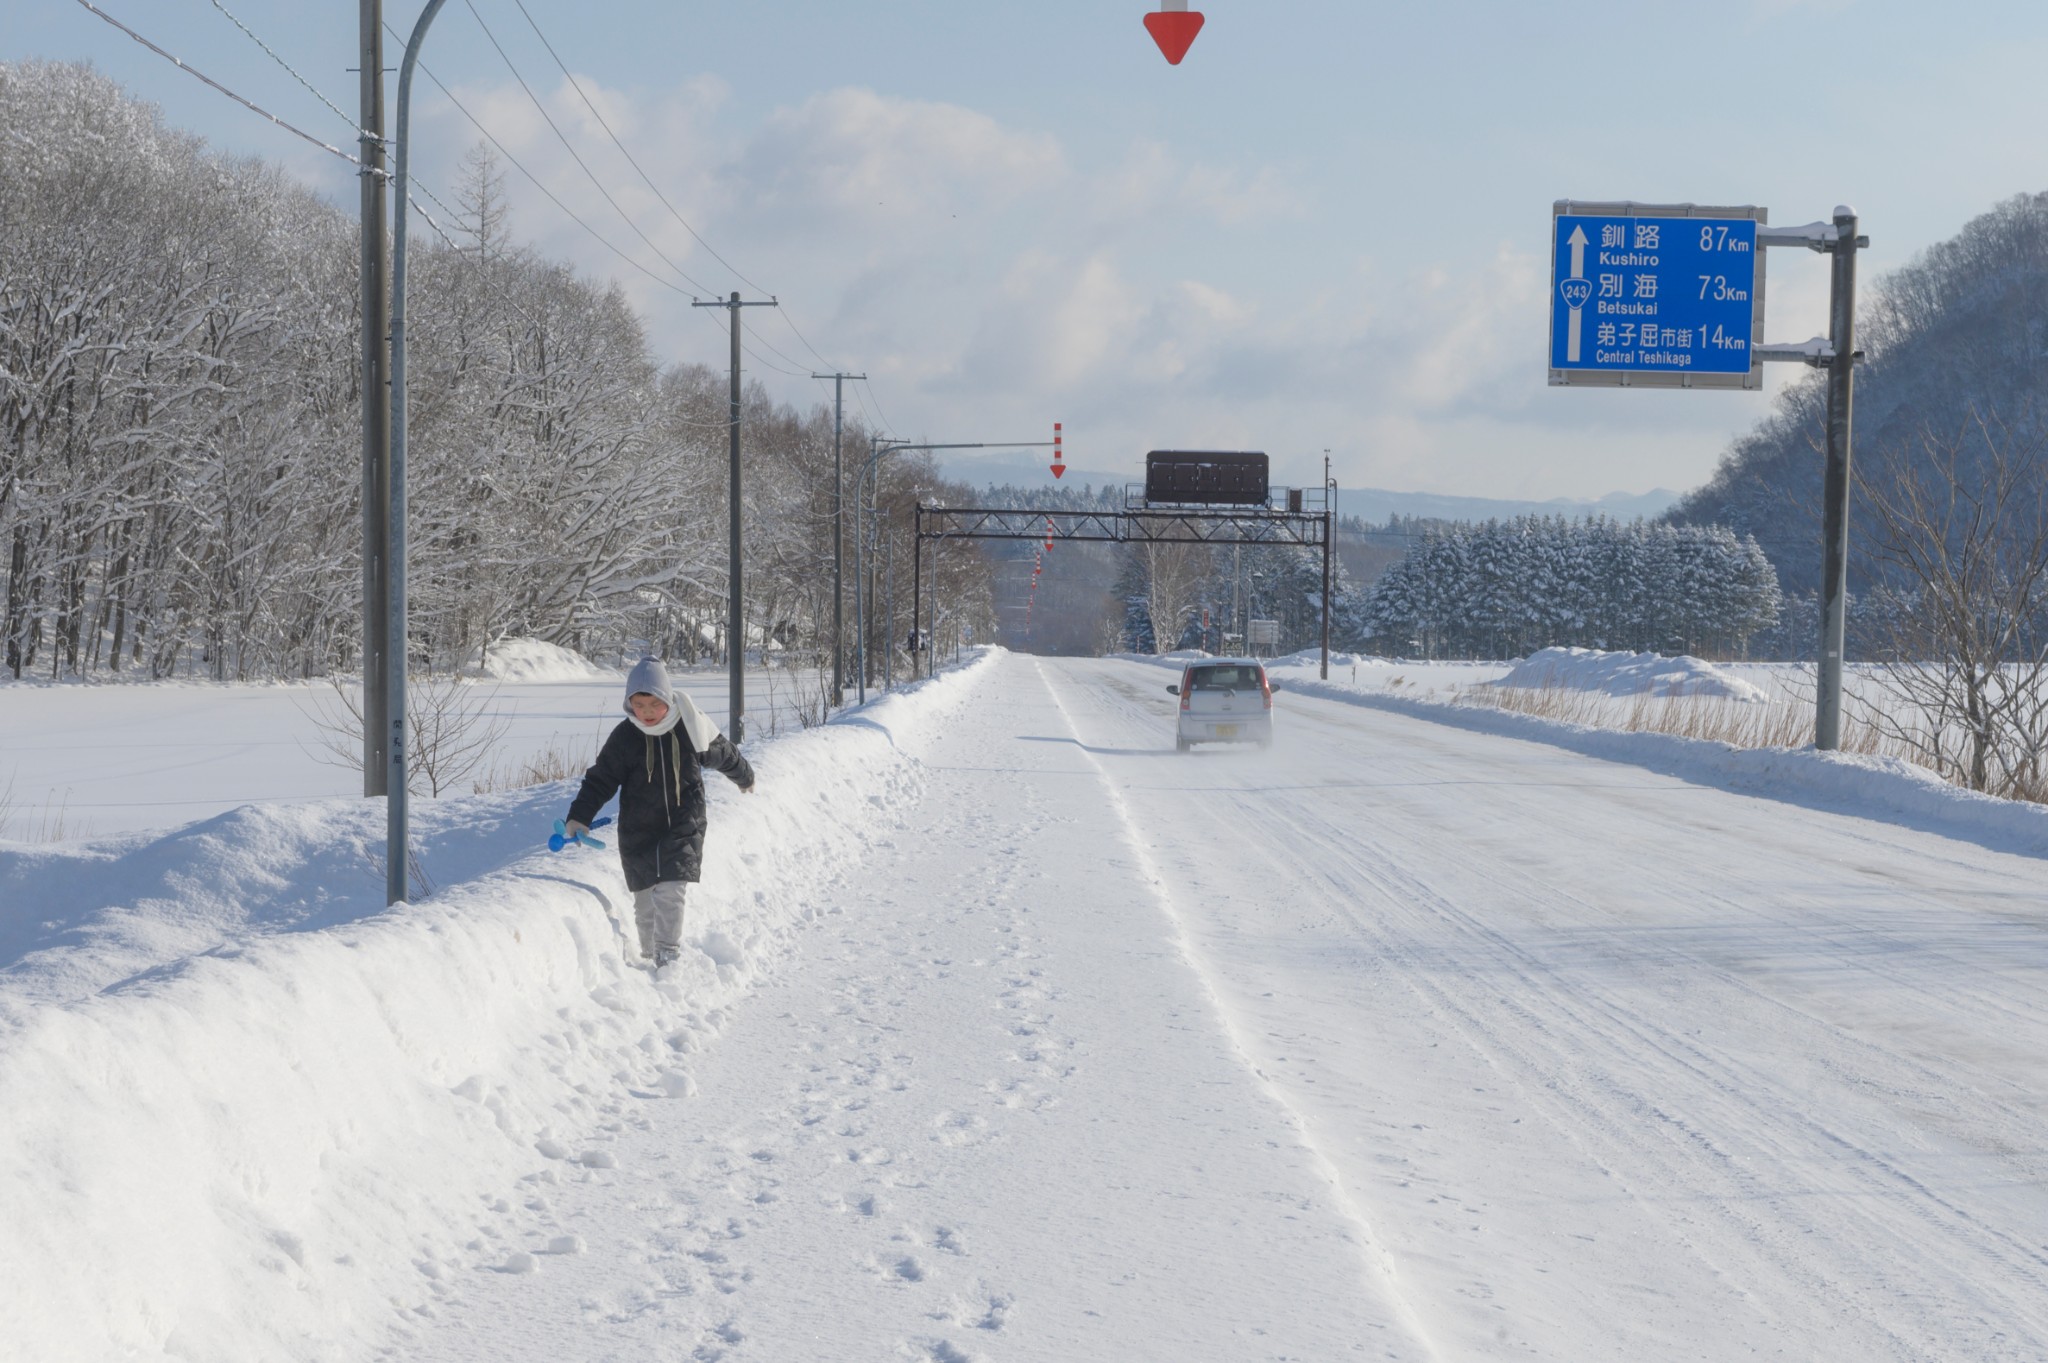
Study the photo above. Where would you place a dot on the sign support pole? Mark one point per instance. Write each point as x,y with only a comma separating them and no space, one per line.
877,448
1329,540
917,592
1827,724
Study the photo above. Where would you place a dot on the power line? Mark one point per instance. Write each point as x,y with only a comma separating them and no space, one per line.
261,112
574,155
554,198
290,71
590,175
533,179
252,107
887,424
801,337
648,180
588,104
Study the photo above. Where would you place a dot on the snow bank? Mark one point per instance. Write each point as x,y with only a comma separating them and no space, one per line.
1628,674
264,1151
83,917
536,660
1888,789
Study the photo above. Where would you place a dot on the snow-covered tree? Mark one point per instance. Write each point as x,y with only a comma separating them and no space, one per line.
1507,588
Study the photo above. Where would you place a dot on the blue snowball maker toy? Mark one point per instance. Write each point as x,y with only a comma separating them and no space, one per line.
560,837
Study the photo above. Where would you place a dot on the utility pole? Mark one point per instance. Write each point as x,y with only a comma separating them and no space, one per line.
376,397
735,628
838,536
1834,584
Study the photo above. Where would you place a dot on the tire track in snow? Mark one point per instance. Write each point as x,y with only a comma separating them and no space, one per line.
1377,1266
1801,1127
1549,1030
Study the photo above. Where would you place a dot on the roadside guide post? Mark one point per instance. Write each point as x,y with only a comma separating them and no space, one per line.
1672,296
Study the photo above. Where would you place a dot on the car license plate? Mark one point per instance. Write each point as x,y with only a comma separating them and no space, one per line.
1226,731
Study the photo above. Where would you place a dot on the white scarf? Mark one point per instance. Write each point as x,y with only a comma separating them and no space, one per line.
683,710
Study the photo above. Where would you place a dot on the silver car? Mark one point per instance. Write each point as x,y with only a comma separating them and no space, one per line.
1224,700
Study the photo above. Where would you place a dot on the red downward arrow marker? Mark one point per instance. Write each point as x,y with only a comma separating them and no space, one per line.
1174,31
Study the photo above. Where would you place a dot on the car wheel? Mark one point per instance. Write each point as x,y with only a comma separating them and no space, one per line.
1182,745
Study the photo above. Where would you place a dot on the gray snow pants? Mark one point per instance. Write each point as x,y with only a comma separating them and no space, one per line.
658,913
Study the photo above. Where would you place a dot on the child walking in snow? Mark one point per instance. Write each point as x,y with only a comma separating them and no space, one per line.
655,761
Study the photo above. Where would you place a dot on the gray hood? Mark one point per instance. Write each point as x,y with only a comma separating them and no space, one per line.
650,676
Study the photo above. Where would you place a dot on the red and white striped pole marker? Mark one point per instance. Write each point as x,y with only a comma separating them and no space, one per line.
1174,28
1059,465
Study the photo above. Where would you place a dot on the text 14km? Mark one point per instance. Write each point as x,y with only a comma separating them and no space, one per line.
1653,295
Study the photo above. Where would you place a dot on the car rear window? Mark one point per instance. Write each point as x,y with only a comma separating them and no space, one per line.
1223,678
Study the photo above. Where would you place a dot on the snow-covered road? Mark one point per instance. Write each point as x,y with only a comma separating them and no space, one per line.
1400,1041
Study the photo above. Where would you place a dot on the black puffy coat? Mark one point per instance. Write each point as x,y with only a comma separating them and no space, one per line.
660,784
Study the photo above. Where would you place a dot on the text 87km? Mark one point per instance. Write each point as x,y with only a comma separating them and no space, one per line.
1717,239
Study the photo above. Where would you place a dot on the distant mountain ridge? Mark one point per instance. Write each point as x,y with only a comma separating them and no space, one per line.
1374,506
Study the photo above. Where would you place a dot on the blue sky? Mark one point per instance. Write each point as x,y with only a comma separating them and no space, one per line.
1327,229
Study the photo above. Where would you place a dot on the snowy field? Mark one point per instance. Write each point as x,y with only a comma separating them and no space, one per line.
88,760
1006,1033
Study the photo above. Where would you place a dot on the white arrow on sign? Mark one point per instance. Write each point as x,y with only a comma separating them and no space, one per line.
1575,296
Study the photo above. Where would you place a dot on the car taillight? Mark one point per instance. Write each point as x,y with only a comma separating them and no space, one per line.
1266,687
1187,688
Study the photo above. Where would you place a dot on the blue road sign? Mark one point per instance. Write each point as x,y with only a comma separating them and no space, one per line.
1646,295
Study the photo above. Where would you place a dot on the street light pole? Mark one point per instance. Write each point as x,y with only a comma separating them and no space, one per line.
396,843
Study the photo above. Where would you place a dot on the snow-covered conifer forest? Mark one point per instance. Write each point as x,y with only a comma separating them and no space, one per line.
1506,589
180,428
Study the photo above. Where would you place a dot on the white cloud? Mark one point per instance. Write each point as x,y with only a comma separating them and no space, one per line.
990,286
1151,185
852,157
